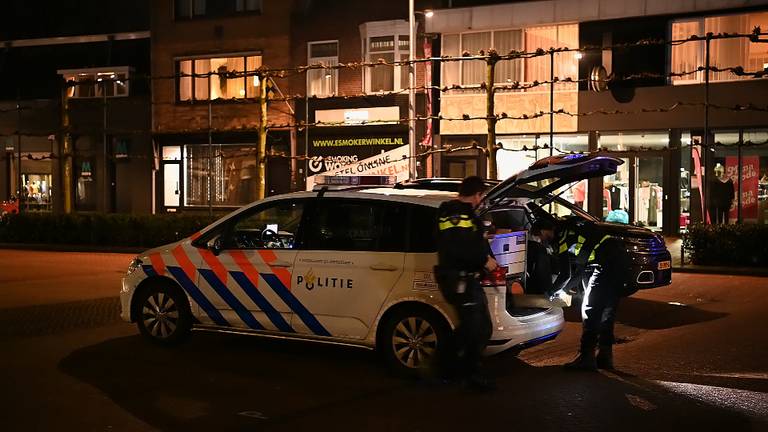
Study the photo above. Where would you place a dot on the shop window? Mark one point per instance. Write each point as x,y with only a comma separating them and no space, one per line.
189,9
232,179
688,56
85,187
96,83
218,78
323,82
36,193
754,177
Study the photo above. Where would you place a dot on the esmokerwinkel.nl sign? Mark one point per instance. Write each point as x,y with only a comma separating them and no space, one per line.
331,153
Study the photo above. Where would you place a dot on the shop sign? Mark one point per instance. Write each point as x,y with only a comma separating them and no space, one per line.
331,153
121,148
750,181
85,171
391,163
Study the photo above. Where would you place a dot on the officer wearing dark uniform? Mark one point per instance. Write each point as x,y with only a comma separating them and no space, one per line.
463,254
606,262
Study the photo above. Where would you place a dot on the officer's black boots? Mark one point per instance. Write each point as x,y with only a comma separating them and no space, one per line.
584,362
605,357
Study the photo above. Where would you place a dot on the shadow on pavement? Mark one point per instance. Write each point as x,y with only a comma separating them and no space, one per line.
228,382
651,315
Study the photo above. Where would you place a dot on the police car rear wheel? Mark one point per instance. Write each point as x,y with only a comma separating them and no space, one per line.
413,339
163,315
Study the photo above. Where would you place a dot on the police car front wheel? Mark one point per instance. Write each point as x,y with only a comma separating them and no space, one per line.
162,314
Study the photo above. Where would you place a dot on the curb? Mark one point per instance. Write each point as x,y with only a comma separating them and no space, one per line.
72,248
716,270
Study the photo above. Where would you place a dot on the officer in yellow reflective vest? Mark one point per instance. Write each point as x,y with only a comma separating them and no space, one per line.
463,254
583,253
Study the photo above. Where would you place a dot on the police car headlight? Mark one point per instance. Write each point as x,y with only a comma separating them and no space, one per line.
134,265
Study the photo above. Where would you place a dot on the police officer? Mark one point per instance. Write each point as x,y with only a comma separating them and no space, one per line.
583,253
463,254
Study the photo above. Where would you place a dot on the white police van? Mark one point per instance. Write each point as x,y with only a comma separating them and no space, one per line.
348,264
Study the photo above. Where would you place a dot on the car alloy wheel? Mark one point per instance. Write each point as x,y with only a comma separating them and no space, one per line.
414,342
160,315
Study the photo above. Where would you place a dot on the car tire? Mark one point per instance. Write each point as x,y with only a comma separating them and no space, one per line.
414,341
162,314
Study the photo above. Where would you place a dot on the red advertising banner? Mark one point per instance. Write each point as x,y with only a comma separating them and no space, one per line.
750,170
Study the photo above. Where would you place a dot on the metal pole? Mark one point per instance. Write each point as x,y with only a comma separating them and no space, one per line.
66,152
262,149
551,103
104,181
739,177
18,147
704,182
411,91
306,140
490,114
210,151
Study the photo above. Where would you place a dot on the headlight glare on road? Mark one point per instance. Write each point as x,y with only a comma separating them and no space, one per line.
134,265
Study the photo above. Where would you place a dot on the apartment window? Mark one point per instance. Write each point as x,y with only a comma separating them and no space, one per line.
688,56
93,83
189,9
323,82
473,72
218,78
566,63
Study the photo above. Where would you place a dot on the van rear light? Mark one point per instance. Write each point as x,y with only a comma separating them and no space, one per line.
496,277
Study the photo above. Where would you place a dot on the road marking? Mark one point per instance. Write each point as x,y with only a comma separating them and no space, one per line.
639,402
745,401
253,414
745,375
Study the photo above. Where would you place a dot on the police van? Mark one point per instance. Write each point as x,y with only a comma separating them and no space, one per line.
346,263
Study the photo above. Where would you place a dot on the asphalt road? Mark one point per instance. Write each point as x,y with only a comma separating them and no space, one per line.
692,357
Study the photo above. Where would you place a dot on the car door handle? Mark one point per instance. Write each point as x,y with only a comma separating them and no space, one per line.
280,263
384,267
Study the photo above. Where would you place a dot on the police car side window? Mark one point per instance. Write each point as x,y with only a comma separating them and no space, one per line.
273,227
423,229
355,225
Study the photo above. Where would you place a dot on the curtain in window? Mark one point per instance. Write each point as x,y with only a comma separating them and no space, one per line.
688,56
382,77
253,63
451,68
504,42
224,85
567,63
201,83
474,71
537,68
323,82
725,53
185,82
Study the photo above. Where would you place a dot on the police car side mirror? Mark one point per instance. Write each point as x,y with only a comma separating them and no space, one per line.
215,245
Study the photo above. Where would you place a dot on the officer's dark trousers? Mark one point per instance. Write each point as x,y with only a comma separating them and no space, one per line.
598,311
474,329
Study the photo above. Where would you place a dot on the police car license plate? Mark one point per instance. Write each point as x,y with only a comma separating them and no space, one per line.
664,265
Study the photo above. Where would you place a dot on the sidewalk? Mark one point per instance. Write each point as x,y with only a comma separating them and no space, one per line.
674,244
73,248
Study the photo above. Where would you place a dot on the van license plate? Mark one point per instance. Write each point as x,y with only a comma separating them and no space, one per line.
664,265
